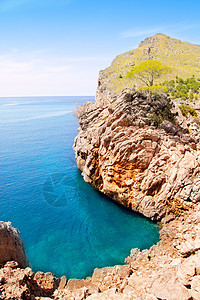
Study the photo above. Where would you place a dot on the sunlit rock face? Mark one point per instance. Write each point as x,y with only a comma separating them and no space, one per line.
11,245
154,170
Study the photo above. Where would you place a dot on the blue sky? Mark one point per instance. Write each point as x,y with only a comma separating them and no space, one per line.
57,47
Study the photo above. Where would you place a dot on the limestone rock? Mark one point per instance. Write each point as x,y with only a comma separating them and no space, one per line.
17,283
46,282
11,245
152,170
195,287
62,283
109,295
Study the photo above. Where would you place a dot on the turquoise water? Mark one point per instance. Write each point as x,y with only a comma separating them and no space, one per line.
68,227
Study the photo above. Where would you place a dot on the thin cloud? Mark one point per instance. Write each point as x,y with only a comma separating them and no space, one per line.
25,75
15,50
7,5
39,52
32,73
83,59
58,69
180,27
135,32
10,65
188,26
12,4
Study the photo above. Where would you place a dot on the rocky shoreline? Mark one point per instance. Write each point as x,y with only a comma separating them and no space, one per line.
168,270
150,168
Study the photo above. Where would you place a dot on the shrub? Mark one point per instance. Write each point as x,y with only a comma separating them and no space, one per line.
163,114
170,85
180,81
183,89
191,96
186,109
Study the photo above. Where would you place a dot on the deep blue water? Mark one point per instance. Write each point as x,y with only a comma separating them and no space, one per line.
68,227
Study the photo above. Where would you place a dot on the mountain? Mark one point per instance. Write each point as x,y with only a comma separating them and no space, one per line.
182,57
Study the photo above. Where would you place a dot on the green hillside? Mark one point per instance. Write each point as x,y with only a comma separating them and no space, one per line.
182,57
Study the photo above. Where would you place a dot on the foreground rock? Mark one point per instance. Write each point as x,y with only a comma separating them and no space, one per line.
11,245
17,283
169,270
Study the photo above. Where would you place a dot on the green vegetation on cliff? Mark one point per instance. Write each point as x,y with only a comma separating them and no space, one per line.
160,115
182,57
186,109
184,89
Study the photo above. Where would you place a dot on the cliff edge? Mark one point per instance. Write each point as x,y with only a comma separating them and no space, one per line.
152,169
140,150
11,245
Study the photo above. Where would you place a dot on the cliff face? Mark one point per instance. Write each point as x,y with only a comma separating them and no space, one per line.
11,245
141,152
152,170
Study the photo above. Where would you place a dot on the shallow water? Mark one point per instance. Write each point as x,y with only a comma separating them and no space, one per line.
68,227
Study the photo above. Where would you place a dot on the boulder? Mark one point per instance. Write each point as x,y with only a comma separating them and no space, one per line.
11,245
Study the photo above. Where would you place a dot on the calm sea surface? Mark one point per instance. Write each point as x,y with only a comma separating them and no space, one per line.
67,226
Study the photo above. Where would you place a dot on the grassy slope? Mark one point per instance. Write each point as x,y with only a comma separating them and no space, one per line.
182,57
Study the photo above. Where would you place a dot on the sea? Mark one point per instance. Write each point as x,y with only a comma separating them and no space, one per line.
68,227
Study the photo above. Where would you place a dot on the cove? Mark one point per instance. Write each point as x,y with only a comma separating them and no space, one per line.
67,226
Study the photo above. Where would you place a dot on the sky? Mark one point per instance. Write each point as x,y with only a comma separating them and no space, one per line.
57,47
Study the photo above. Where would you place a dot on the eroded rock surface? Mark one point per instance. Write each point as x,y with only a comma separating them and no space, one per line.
17,283
152,170
11,245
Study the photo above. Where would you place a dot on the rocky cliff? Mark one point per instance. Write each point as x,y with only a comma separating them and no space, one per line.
154,170
142,152
11,245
